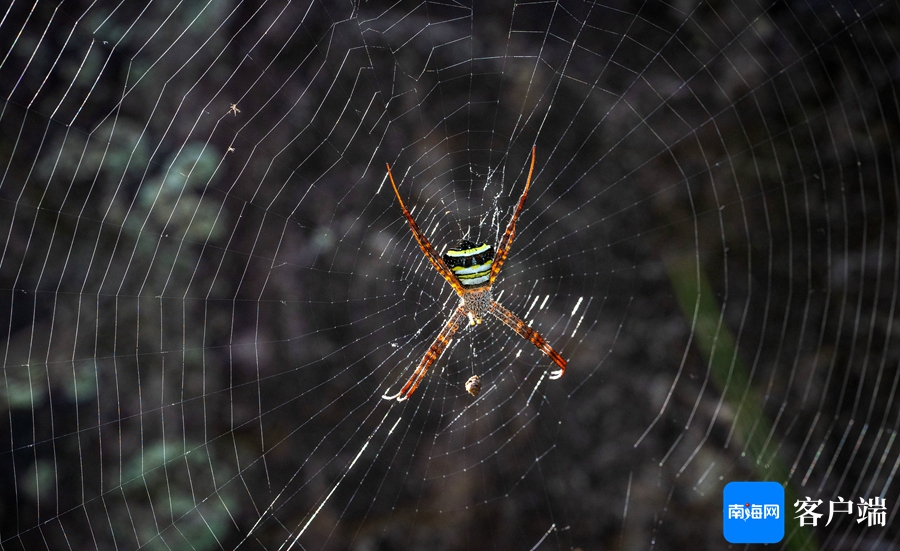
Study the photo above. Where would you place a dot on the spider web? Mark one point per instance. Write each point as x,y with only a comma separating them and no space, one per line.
208,285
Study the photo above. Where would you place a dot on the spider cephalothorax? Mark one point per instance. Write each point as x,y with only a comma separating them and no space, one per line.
477,303
471,270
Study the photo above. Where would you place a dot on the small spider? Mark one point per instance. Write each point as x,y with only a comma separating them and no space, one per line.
471,270
473,385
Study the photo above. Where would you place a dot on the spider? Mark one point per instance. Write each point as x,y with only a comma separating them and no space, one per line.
471,270
473,385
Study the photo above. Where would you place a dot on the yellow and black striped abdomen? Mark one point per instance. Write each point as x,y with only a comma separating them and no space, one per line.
470,263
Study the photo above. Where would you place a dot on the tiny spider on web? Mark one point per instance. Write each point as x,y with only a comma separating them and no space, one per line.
471,270
473,385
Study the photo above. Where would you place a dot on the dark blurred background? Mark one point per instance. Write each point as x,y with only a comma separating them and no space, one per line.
207,285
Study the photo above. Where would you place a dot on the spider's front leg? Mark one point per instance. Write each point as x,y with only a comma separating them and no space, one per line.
434,352
508,236
427,249
516,324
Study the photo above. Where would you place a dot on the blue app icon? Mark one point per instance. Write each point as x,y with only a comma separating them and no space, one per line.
753,512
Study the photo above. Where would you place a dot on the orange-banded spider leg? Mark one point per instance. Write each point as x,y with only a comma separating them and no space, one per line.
424,244
507,239
516,324
434,352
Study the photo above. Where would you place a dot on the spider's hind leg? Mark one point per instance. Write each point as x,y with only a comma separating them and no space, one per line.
434,352
516,324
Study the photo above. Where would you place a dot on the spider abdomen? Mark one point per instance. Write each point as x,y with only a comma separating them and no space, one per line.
470,263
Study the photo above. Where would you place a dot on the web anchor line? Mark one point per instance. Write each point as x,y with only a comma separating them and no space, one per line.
294,538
